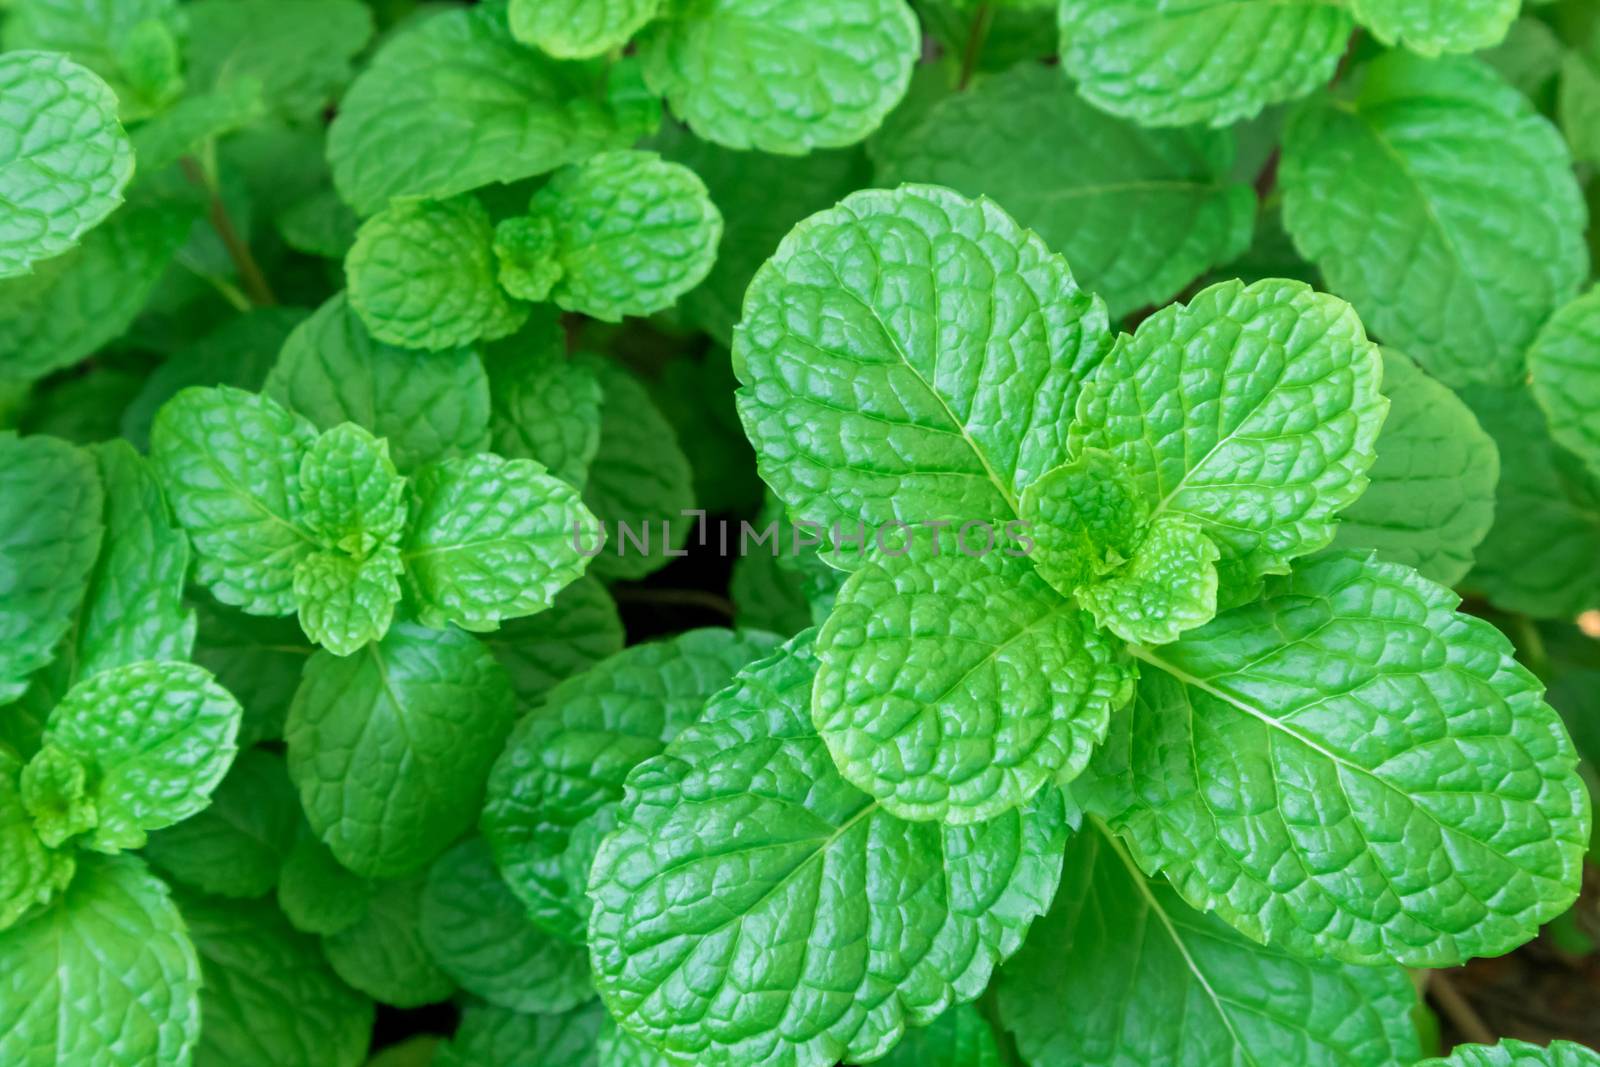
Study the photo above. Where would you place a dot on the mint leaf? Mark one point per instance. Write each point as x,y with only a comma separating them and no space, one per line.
781,76
481,936
1210,61
300,51
422,275
65,158
490,539
577,631
398,132
230,461
427,405
1566,373
1169,984
130,43
155,738
1431,500
55,793
1252,409
1421,806
1430,27
50,535
544,406
1139,213
851,394
1439,203
382,953
1086,518
257,660
235,847
30,872
1511,1053
390,747
192,122
317,893
956,688
1168,586
961,1037
579,29
742,830
319,225
268,996
562,771
490,1036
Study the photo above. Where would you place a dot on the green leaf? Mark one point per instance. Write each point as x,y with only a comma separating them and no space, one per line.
1086,518
1431,500
300,51
382,953
422,275
743,833
866,403
156,739
50,535
428,405
1510,1053
491,539
579,29
317,893
65,158
1529,58
390,747
558,784
257,660
319,225
543,406
1253,409
956,687
230,461
105,976
129,43
268,998
639,477
1350,768
1168,586
1176,62
1431,26
1439,203
237,846
1566,374
961,1037
490,1036
782,76
480,934
193,121
55,794
1539,556
618,1048
71,305
1168,984
1578,97
353,502
576,632
1139,213
398,132
30,872
761,197
622,233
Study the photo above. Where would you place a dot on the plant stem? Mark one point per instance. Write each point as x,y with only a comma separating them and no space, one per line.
250,276
975,38
691,598
1455,1007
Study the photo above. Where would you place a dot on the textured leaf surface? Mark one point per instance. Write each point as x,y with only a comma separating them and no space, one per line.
129,43
1253,409
907,356
230,462
269,998
1565,366
390,747
50,533
382,953
398,132
64,159
1171,985
480,934
1539,556
544,406
1350,768
557,786
490,1036
30,873
422,275
237,845
1443,207
953,687
299,50
1510,1053
1168,586
157,738
491,539
782,76
1431,500
1434,26
1139,213
539,651
1176,62
1086,517
105,977
579,29
629,233
742,834
427,405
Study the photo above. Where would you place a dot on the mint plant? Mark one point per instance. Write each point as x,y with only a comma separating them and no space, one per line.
935,533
